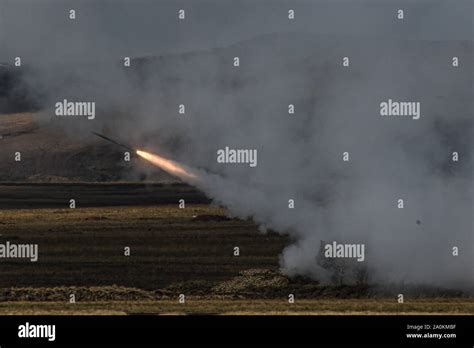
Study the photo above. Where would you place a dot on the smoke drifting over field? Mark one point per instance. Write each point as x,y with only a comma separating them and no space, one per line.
300,155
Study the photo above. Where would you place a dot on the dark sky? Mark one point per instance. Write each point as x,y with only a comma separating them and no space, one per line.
41,30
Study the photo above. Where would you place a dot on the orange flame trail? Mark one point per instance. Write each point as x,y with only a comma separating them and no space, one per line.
169,166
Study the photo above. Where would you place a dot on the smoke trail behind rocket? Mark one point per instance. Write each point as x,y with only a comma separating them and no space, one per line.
113,141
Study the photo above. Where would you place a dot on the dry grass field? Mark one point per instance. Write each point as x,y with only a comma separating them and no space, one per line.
85,247
196,306
173,251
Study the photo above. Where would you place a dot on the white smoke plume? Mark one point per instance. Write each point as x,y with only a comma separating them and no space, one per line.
300,155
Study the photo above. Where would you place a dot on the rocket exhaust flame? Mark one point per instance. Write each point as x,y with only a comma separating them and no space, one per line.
171,167
179,170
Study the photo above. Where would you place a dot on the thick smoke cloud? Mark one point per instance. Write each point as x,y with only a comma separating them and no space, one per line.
300,155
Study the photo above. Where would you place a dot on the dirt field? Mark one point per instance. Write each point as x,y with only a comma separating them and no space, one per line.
85,246
173,251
